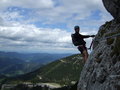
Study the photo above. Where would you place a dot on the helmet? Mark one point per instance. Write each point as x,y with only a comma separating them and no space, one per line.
76,27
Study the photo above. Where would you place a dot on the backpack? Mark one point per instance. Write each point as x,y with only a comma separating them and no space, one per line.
74,41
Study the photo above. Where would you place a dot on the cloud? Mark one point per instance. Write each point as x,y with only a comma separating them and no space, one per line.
27,3
38,38
46,25
57,11
74,12
29,38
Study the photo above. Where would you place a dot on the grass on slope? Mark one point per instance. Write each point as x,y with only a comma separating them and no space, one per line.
63,71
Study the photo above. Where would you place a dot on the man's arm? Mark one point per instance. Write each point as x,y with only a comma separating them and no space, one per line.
87,36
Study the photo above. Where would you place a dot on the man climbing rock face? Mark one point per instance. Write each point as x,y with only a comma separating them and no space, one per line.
78,40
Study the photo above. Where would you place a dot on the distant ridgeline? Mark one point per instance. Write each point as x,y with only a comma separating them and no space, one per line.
61,72
12,63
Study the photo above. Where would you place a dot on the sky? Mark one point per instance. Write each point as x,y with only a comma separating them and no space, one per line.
46,25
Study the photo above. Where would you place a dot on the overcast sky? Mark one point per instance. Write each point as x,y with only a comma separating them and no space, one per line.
46,25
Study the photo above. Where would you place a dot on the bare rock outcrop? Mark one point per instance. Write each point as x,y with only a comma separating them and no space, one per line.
113,7
102,69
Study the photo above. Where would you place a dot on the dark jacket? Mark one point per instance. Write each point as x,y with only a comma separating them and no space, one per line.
78,39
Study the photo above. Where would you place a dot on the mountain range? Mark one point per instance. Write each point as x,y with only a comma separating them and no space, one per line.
13,63
64,71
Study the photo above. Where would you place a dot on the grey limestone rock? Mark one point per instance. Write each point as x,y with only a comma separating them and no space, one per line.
113,7
102,69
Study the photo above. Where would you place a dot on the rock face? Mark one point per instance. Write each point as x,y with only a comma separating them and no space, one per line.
102,69
113,6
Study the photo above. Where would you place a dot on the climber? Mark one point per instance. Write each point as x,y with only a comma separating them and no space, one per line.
78,40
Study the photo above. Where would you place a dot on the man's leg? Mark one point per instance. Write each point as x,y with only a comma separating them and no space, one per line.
85,55
84,52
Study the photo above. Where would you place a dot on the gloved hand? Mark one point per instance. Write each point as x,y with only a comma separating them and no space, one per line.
92,35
